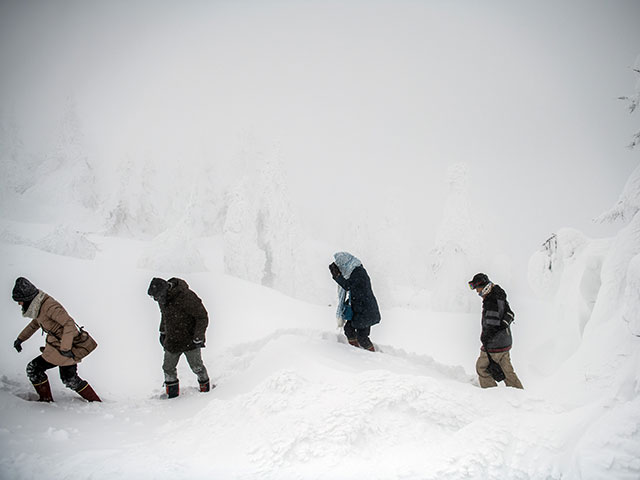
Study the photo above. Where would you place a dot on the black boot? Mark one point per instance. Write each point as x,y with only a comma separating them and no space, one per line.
173,389
366,344
205,386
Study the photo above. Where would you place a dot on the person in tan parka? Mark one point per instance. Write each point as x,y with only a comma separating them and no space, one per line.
50,316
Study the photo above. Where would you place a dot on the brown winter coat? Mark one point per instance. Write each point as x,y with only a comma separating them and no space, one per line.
60,329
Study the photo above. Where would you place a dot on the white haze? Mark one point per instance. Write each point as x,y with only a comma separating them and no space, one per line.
367,103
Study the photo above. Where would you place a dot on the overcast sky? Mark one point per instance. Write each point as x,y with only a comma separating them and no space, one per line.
369,101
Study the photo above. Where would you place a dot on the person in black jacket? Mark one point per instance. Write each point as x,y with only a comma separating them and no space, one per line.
182,330
359,311
496,332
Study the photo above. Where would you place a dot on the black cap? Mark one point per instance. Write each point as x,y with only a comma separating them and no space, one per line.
24,290
478,280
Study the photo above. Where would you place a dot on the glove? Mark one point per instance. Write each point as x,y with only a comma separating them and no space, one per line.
18,345
199,343
335,271
67,353
162,338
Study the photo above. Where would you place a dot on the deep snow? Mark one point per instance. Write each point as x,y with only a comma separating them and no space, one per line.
293,400
200,142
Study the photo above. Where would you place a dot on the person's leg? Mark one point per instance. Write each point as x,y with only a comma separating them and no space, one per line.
363,339
484,376
36,372
169,366
70,378
194,358
504,360
351,334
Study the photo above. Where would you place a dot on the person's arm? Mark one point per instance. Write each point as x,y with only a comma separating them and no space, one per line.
345,283
201,317
29,330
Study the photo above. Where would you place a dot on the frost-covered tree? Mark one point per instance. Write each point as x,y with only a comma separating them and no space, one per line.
628,204
68,166
459,242
594,283
18,165
633,101
243,257
379,237
205,205
134,206
56,179
11,150
261,235
621,270
277,228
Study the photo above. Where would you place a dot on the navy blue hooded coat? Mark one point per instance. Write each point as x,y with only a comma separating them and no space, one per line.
364,304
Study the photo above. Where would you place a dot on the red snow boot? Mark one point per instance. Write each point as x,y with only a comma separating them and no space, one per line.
88,393
205,386
44,391
353,342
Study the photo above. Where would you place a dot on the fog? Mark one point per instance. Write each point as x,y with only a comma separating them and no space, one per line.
367,103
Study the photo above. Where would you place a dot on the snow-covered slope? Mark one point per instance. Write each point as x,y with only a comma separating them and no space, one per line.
293,400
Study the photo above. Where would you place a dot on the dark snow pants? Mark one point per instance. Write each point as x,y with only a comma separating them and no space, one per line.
36,371
359,335
194,359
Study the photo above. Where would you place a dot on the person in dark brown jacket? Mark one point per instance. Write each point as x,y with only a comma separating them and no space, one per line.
183,324
496,333
47,314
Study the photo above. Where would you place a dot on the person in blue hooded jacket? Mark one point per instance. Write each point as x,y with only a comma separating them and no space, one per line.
357,305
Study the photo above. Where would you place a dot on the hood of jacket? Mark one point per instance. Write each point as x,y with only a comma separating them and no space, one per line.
347,263
178,286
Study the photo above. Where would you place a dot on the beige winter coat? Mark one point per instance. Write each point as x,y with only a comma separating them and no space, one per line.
60,329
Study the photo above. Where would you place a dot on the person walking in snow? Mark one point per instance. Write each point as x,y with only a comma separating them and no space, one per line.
357,306
65,345
183,324
496,333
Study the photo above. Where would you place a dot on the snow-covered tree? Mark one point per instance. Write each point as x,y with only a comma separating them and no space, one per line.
134,207
594,283
261,235
69,166
620,272
459,243
277,228
243,257
18,165
633,101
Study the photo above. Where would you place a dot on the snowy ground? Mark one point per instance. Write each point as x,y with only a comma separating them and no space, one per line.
293,400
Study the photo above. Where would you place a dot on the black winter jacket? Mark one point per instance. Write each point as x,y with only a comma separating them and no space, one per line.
496,333
363,302
184,318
